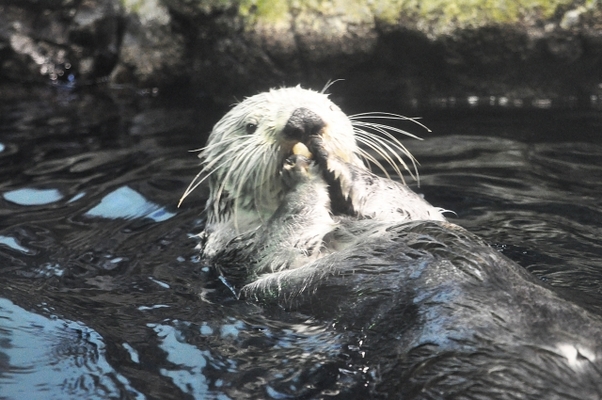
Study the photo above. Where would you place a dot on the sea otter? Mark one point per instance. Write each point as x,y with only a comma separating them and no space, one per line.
296,219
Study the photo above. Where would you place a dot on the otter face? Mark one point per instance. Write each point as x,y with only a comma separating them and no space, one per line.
281,118
248,147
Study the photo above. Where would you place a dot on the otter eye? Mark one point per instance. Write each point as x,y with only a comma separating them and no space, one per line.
251,128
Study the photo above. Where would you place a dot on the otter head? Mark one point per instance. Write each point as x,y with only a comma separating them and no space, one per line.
248,147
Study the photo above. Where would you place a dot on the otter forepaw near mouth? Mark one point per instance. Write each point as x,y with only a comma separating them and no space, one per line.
298,169
337,173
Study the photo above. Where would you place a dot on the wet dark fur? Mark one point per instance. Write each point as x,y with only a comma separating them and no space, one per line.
437,329
443,314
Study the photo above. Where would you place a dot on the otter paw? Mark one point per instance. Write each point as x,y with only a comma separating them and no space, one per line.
297,169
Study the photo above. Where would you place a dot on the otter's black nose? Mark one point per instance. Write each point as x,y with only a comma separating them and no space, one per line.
302,124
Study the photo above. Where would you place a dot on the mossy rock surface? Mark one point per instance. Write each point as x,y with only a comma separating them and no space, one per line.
395,50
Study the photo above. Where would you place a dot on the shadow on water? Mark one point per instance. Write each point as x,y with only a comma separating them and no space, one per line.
103,295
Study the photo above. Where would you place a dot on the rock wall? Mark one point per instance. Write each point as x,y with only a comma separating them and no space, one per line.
394,50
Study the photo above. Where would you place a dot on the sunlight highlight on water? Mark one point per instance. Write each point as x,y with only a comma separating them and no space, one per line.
127,203
33,197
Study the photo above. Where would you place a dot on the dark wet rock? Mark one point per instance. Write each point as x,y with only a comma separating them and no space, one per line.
151,54
58,40
384,50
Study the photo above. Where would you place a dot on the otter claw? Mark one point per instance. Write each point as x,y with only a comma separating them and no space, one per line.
296,169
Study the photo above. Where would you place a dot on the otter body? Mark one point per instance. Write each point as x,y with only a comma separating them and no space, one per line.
295,219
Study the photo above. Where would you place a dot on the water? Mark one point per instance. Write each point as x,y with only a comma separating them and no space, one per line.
102,293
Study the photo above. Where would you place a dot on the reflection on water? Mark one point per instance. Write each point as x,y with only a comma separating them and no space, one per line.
32,197
102,294
128,204
44,357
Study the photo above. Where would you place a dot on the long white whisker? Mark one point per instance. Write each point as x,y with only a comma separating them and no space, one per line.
259,181
226,180
374,144
383,142
191,186
388,116
370,158
223,154
329,84
380,138
217,144
385,129
268,169
196,182
246,167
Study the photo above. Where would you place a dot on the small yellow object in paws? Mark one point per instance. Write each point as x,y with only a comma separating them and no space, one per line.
302,150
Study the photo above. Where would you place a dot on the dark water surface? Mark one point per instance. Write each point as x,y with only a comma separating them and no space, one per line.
103,296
